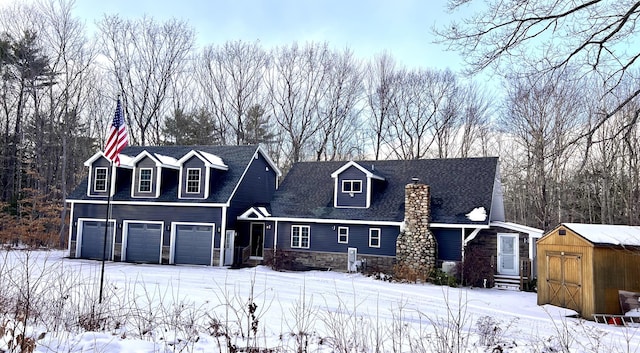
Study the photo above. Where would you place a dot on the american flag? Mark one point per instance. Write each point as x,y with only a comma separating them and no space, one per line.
118,136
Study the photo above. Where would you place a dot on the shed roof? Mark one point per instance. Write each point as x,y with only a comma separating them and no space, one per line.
607,233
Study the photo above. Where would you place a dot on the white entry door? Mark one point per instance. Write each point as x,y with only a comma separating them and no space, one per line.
229,241
508,254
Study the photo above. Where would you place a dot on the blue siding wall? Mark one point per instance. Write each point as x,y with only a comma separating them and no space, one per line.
102,163
167,214
256,188
323,237
359,199
449,244
146,162
193,162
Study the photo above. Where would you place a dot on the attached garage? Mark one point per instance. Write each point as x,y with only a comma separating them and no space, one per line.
583,266
193,244
91,235
142,242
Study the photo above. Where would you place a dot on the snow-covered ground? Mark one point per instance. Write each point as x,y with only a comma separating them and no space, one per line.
153,308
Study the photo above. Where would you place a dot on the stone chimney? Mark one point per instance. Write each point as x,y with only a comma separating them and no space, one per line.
416,245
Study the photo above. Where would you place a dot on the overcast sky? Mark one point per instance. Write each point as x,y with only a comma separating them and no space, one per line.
368,27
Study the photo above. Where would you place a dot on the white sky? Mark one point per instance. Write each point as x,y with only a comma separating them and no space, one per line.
368,27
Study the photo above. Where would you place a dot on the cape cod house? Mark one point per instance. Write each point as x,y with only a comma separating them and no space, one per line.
221,205
170,204
342,214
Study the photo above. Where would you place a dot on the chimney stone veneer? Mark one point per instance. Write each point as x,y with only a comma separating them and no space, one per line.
416,245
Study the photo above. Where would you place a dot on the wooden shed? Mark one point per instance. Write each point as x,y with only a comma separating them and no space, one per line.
583,266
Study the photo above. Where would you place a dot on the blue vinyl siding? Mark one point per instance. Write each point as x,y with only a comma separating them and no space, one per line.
193,163
146,163
449,244
323,237
99,163
168,214
359,199
256,188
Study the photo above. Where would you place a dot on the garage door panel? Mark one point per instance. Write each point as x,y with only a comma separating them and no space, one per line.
144,242
92,245
193,244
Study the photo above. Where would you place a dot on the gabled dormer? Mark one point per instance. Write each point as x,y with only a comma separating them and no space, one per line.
99,165
147,174
353,185
196,172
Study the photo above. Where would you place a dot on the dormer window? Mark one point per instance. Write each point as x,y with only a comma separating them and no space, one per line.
193,180
100,182
352,186
145,179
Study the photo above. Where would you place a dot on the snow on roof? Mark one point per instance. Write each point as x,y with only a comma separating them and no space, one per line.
607,233
166,160
215,160
478,214
126,161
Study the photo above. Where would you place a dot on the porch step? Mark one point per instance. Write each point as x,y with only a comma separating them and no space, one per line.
506,282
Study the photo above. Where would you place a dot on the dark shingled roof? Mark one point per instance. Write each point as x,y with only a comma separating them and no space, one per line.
237,158
457,186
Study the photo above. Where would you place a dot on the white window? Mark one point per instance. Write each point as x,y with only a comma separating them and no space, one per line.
193,180
100,182
374,237
300,237
352,186
144,175
343,235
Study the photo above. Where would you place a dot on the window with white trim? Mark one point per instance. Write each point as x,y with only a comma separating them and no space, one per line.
144,177
100,181
343,235
352,186
193,180
300,237
374,237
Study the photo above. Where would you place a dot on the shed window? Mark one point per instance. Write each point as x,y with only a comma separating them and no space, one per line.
100,182
300,237
351,186
193,180
374,237
343,235
145,180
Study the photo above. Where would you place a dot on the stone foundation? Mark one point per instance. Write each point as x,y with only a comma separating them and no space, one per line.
416,245
306,260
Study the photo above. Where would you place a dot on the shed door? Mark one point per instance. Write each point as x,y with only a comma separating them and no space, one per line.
193,244
92,241
143,242
564,280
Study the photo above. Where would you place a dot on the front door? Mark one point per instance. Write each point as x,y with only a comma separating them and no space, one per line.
508,254
257,240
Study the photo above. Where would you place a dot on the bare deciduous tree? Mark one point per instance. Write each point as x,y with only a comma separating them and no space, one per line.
592,36
231,76
143,56
297,85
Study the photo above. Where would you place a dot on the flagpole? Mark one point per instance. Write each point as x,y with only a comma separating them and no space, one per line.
106,229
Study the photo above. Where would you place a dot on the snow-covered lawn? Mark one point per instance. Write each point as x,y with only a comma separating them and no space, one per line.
153,308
